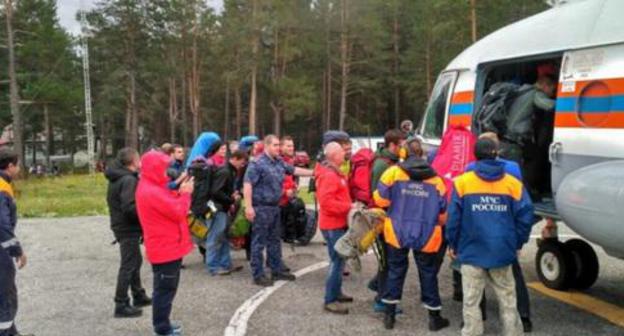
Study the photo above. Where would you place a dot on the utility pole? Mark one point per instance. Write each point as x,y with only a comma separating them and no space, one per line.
473,19
87,93
18,136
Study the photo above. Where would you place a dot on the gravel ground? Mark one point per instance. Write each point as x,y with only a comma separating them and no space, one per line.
68,286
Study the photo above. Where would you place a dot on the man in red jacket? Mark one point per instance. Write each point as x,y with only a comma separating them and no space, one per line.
335,204
162,214
289,188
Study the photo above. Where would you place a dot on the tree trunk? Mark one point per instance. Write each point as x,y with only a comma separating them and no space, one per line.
48,133
239,110
324,101
428,66
275,103
397,88
473,19
184,114
173,109
18,131
254,68
344,57
194,97
226,117
103,138
277,118
328,99
34,148
132,127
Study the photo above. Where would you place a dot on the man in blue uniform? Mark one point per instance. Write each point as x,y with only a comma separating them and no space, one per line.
11,253
262,190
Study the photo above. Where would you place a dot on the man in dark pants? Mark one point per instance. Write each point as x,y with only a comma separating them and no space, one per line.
11,253
122,176
385,157
262,191
218,260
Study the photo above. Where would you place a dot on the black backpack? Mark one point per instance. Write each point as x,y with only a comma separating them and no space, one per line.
203,172
493,111
298,223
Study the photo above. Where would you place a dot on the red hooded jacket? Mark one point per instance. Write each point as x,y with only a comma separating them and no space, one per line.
332,192
162,212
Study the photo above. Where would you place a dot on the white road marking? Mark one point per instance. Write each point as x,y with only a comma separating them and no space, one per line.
240,319
238,322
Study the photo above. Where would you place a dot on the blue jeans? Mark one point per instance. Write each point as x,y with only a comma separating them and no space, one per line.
428,268
217,245
265,232
333,284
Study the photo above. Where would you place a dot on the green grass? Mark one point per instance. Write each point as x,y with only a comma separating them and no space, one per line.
73,195
308,198
65,196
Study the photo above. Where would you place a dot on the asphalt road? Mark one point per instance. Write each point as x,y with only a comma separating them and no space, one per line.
67,289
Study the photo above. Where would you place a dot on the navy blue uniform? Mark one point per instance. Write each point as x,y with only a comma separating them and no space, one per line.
9,250
266,176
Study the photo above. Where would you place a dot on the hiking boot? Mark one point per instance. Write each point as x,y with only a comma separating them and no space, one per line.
336,308
436,321
284,276
373,284
263,281
380,307
223,272
176,330
125,310
458,296
344,298
142,300
527,325
389,317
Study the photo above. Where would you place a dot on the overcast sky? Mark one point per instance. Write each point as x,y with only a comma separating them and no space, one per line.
67,11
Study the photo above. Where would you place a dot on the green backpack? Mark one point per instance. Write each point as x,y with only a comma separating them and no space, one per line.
240,225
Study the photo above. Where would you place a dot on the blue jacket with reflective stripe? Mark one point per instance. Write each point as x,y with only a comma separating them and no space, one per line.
8,218
490,216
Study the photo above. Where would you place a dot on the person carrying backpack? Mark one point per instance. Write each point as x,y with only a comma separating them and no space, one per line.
202,169
415,199
224,196
386,157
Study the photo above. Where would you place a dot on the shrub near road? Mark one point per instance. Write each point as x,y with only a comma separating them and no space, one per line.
65,196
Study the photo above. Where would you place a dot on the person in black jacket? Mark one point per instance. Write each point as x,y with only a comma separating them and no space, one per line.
123,178
224,195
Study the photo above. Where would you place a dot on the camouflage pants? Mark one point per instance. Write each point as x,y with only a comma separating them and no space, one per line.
265,235
502,280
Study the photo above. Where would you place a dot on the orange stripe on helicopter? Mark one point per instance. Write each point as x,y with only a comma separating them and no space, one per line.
615,86
462,97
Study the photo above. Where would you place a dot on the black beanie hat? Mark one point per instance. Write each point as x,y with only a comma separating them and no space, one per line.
486,149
